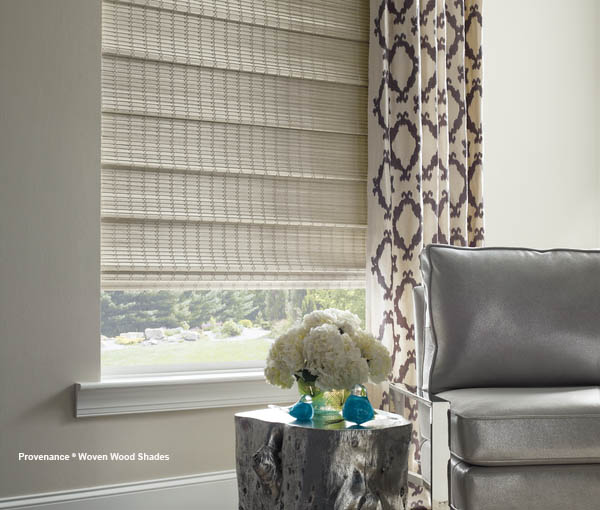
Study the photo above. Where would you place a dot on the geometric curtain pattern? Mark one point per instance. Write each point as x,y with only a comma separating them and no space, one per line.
425,156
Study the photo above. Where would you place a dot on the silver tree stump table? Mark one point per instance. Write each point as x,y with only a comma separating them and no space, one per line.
283,464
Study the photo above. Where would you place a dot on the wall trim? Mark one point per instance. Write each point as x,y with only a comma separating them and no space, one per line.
214,491
177,393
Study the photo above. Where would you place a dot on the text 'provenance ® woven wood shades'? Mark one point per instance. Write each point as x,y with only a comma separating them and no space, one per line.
234,143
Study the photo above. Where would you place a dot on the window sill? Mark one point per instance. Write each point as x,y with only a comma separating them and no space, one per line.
172,392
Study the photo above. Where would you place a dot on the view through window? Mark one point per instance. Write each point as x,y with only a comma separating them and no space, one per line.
234,157
207,326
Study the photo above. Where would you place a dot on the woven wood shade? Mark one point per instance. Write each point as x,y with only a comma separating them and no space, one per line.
234,143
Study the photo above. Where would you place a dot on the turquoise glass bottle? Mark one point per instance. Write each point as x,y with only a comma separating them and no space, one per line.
303,409
357,408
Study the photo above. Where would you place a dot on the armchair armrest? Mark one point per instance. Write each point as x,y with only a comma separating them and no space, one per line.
440,447
418,396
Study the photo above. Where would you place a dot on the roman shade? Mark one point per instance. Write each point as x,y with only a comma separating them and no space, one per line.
234,150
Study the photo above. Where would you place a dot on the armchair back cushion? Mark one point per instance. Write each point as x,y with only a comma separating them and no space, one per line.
506,317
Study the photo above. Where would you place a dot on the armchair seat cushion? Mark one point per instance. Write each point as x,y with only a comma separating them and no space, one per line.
524,426
572,487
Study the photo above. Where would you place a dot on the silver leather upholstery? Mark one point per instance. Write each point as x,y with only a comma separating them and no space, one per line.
424,420
518,426
425,462
423,410
511,317
511,338
419,309
562,487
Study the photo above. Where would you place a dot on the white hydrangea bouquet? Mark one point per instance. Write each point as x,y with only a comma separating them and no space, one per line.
327,351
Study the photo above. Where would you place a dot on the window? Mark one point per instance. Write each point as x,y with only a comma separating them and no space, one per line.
234,160
211,328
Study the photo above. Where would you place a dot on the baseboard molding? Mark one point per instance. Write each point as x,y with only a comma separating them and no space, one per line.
208,491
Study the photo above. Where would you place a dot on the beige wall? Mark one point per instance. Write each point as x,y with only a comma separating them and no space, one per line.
49,266
541,184
541,104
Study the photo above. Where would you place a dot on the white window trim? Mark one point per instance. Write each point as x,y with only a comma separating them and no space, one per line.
145,371
177,392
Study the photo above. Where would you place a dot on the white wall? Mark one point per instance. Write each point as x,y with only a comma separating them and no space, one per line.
49,267
541,121
541,190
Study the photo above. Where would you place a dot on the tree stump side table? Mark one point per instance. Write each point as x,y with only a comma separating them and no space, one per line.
283,464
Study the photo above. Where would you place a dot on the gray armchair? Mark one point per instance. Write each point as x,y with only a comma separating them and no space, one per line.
508,354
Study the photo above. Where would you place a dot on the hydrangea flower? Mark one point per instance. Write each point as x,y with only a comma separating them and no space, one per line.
328,345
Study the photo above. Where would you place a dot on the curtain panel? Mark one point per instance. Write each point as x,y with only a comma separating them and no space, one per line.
425,155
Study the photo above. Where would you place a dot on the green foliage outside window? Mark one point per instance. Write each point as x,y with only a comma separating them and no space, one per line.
231,328
124,311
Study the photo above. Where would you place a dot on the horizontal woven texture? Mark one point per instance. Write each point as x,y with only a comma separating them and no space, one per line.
234,149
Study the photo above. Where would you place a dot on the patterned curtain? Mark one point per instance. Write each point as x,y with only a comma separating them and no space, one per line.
425,156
